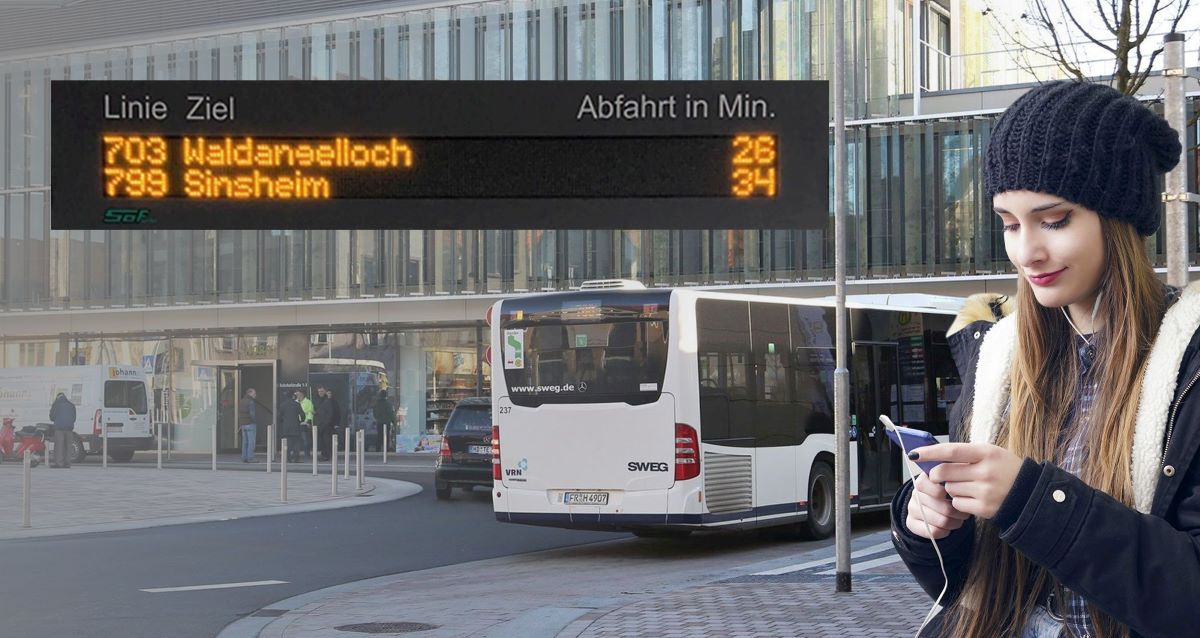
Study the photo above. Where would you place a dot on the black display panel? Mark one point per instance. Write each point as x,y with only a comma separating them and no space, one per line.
426,155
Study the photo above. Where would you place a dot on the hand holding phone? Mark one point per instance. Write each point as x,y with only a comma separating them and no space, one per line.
909,439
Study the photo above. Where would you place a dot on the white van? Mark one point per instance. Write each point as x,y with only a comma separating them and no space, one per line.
112,395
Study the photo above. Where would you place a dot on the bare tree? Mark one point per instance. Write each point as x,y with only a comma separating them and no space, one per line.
1122,31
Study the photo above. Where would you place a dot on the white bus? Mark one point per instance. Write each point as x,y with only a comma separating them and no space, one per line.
110,395
666,411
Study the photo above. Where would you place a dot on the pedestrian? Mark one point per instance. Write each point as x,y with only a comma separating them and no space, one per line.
291,415
306,428
247,411
326,419
1074,509
62,415
384,417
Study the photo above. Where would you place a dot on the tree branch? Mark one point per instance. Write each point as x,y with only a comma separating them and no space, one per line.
1140,76
1110,25
1142,35
1059,55
1094,40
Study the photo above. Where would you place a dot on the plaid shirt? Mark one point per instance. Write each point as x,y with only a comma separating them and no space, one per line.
1076,617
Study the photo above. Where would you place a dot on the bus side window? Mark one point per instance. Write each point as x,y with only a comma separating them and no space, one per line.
723,351
775,411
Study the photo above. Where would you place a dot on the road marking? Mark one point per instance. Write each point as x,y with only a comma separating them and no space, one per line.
256,583
867,564
866,551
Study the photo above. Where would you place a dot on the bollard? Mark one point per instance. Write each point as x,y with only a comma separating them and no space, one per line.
158,435
283,471
346,461
313,436
333,467
385,442
104,446
359,461
270,446
25,490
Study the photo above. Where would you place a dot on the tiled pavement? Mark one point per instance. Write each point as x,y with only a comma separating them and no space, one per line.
622,588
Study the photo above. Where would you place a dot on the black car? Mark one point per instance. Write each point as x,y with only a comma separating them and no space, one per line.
466,456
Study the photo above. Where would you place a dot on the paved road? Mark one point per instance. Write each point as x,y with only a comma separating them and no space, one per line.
96,579
89,585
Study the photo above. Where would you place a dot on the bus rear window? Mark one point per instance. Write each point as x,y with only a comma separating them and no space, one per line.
593,362
125,394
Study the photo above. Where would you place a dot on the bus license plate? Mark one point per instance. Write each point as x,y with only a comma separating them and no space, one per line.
479,449
586,498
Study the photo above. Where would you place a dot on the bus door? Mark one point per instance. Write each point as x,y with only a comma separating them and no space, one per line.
874,391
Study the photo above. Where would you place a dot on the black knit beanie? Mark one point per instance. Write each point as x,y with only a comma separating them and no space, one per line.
1086,143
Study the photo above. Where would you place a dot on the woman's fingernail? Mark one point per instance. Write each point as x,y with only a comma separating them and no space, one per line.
912,456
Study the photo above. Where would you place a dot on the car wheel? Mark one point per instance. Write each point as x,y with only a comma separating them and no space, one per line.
820,502
77,452
442,490
121,456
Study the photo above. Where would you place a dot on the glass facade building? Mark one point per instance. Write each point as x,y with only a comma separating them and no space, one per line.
915,183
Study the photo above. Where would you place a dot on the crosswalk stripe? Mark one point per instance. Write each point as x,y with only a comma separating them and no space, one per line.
866,551
867,564
256,583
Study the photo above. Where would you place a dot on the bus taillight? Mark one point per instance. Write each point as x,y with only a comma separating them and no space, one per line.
96,423
687,452
496,453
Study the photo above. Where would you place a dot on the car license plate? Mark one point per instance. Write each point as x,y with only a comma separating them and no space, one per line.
586,498
479,449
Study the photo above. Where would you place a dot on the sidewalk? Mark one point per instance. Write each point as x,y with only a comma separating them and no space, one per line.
619,588
88,498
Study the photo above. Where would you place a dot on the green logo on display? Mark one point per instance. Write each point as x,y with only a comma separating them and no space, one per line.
128,216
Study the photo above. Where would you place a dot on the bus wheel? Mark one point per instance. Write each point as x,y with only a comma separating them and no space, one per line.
121,456
77,451
820,502
662,533
442,490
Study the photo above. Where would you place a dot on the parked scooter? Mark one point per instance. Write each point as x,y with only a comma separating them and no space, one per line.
14,442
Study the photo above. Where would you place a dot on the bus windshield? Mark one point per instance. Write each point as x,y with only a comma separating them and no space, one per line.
586,351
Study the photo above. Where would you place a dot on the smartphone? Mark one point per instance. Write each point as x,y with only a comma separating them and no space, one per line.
912,439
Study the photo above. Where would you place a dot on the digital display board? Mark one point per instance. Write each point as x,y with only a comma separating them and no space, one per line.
426,155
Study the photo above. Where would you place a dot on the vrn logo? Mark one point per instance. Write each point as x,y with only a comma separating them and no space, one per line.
128,216
519,470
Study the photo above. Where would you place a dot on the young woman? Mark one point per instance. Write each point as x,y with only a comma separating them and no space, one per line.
1074,507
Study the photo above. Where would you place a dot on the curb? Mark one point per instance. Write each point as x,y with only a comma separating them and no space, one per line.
377,490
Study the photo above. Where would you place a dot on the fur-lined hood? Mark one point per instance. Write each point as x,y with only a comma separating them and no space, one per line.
994,365
987,306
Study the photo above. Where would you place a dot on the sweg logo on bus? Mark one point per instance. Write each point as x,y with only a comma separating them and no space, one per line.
647,466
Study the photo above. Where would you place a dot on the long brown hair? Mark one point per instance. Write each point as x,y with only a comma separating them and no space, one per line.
1002,586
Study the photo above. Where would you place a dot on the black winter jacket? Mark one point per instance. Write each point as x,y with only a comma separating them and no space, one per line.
290,416
327,413
1142,564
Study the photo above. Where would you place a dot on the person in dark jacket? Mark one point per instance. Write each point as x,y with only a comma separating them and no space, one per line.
291,415
385,416
1073,506
326,416
62,415
247,418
